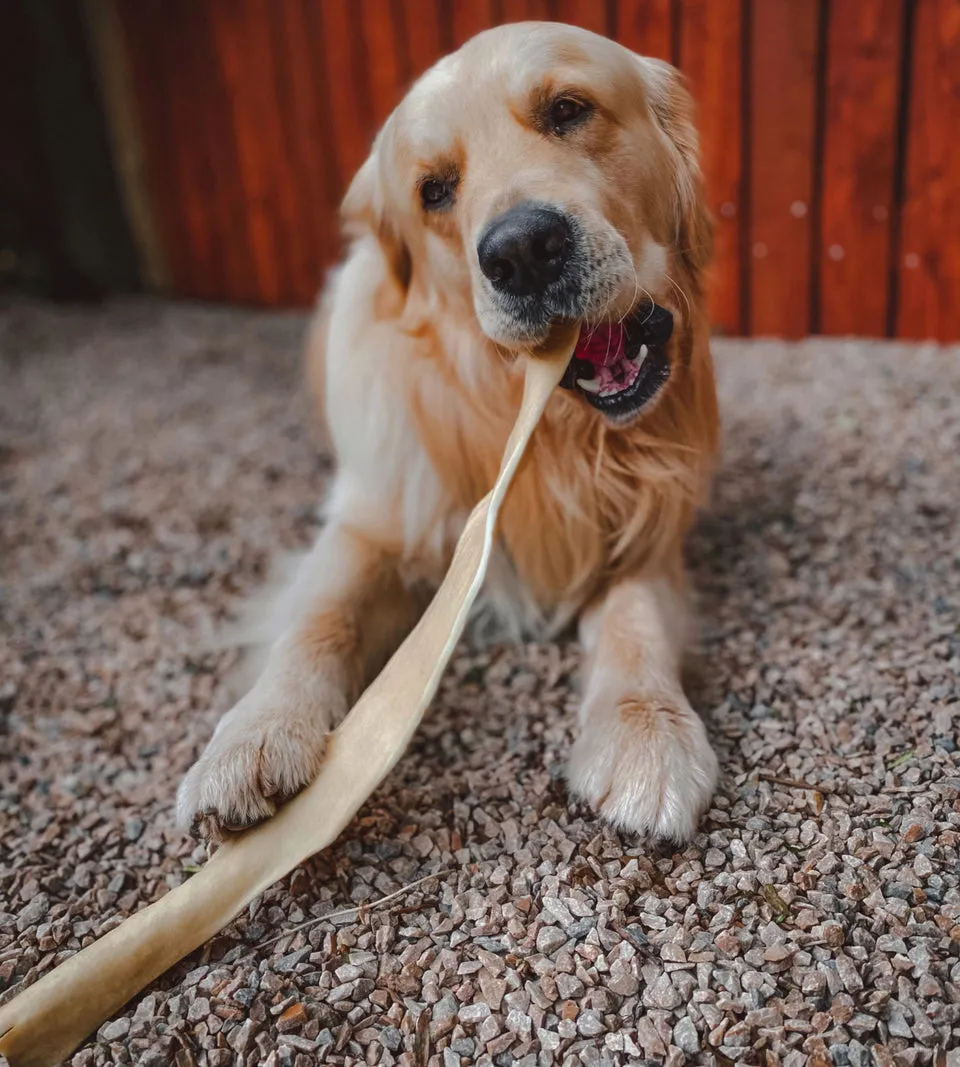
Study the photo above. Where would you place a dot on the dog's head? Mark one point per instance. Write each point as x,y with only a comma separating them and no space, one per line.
544,173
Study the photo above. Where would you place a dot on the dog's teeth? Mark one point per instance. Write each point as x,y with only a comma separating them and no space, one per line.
641,355
588,386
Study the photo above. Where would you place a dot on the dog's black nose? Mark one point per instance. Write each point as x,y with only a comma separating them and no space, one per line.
523,250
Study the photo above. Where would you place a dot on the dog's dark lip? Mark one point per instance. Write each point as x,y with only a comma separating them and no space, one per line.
650,325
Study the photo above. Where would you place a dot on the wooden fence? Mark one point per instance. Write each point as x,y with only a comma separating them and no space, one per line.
830,130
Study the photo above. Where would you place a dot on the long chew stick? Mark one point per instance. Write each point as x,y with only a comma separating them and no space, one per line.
47,1021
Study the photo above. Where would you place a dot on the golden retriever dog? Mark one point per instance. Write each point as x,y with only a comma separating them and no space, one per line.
539,174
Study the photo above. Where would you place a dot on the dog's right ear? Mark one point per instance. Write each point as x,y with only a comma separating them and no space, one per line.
364,211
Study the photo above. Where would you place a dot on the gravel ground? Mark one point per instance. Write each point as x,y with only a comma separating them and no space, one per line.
153,459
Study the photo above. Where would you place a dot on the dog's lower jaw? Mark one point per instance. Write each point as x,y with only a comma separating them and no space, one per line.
506,331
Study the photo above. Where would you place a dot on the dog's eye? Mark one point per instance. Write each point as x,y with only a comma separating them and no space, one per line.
435,193
566,112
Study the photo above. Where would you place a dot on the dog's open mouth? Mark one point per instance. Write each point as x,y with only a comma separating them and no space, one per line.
619,367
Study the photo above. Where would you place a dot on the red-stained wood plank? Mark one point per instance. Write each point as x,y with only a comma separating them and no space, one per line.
245,68
783,105
386,67
864,59
929,261
710,57
327,129
470,17
590,14
214,148
190,108
423,28
645,26
525,11
152,65
350,114
269,109
305,126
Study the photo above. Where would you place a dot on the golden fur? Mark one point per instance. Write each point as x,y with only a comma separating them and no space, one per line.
624,499
416,377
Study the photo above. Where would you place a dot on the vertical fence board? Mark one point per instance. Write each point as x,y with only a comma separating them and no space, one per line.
423,29
305,123
470,17
245,66
646,27
150,62
385,65
525,10
590,14
929,266
783,81
864,54
345,84
275,146
710,55
214,145
191,112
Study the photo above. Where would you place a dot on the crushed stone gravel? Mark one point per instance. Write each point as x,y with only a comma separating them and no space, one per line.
155,458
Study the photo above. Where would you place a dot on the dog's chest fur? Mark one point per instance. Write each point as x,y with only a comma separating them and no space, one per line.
419,419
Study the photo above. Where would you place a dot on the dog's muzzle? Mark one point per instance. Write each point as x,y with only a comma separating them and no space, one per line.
524,251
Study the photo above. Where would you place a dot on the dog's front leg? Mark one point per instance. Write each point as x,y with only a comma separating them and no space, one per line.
643,758
352,609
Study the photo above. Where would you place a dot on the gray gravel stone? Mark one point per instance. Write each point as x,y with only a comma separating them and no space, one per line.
662,994
685,1036
115,1031
549,939
474,1013
590,1023
391,1038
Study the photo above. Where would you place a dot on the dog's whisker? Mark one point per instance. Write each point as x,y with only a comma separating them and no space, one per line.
686,299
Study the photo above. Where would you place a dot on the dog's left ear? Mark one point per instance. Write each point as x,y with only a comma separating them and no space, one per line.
673,109
364,211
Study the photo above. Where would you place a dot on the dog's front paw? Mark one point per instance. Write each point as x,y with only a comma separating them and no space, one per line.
261,753
645,764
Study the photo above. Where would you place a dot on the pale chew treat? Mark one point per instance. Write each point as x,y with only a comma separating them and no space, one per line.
47,1021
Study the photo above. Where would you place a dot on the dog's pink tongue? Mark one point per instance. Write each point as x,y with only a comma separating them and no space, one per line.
602,345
